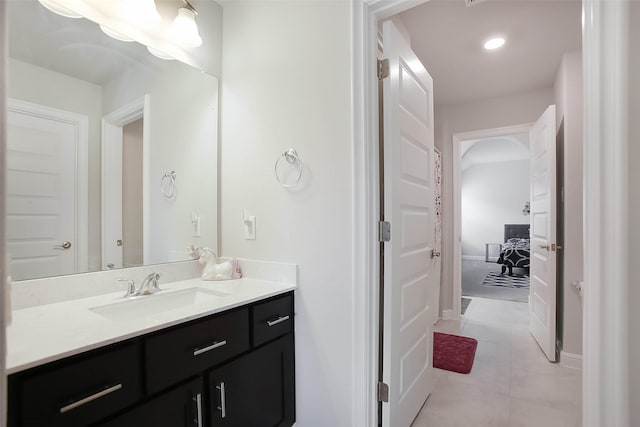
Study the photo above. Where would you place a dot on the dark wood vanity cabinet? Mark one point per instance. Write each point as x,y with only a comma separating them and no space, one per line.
78,392
189,350
182,406
234,368
256,389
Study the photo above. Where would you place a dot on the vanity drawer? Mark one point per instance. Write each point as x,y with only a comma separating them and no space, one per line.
81,392
188,350
272,319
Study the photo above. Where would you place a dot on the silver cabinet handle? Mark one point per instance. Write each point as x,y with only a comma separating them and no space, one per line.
278,320
223,400
64,245
209,348
91,398
198,400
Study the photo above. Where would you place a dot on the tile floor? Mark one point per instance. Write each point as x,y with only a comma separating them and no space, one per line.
511,384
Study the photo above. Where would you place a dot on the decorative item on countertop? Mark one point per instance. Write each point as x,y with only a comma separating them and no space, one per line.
291,156
214,270
527,208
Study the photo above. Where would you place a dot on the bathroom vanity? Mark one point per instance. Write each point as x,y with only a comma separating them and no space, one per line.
194,354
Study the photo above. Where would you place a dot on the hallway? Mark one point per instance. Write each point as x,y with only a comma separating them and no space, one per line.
511,384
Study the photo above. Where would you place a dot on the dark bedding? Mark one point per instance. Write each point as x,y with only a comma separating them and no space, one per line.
515,253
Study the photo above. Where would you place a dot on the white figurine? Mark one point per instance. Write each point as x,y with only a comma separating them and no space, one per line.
213,270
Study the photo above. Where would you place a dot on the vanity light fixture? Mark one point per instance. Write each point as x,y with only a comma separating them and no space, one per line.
159,54
494,43
59,8
141,11
184,29
115,34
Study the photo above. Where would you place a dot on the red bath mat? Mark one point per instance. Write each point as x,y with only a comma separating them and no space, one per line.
453,352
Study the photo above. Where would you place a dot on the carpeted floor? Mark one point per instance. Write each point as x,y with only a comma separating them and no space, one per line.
473,274
506,280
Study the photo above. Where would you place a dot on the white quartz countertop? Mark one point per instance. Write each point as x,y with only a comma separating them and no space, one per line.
45,333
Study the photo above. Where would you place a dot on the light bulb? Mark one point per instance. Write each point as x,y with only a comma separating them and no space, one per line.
59,8
184,29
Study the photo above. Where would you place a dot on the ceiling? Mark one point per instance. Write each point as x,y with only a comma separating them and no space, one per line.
494,149
447,36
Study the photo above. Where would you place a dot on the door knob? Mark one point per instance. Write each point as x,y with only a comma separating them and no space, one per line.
434,253
551,247
64,245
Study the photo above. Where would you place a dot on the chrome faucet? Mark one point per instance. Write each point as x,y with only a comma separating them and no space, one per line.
149,284
131,287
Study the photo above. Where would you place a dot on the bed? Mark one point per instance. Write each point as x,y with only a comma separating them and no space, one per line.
515,250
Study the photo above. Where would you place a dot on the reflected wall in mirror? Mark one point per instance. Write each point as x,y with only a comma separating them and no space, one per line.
95,126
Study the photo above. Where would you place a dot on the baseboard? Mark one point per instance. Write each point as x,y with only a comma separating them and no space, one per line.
448,315
473,257
570,360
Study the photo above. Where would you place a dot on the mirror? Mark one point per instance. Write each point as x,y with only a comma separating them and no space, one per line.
112,153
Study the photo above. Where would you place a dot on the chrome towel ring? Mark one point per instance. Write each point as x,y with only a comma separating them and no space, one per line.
168,184
292,158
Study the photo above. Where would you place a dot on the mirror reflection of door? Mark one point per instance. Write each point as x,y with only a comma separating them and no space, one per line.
123,185
43,202
132,237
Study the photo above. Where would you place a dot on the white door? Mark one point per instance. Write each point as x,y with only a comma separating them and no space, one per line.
112,179
111,196
409,207
542,297
42,232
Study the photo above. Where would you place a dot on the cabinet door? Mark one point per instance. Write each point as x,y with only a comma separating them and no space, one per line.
180,407
256,390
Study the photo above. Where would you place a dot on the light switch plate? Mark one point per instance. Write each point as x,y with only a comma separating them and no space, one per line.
249,226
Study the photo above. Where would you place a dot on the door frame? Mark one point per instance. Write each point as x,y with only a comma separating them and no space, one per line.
128,113
81,124
457,140
605,320
605,375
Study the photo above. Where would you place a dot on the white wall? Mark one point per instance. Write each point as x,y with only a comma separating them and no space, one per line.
183,138
286,83
484,114
45,87
493,194
3,276
634,208
568,98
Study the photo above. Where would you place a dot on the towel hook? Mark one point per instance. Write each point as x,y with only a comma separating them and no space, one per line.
168,184
291,157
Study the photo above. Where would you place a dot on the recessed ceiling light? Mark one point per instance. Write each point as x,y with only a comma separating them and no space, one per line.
494,43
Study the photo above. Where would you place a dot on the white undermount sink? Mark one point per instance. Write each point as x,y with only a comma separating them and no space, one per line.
149,305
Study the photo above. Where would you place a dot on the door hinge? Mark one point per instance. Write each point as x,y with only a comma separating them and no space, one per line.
383,69
383,392
384,231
